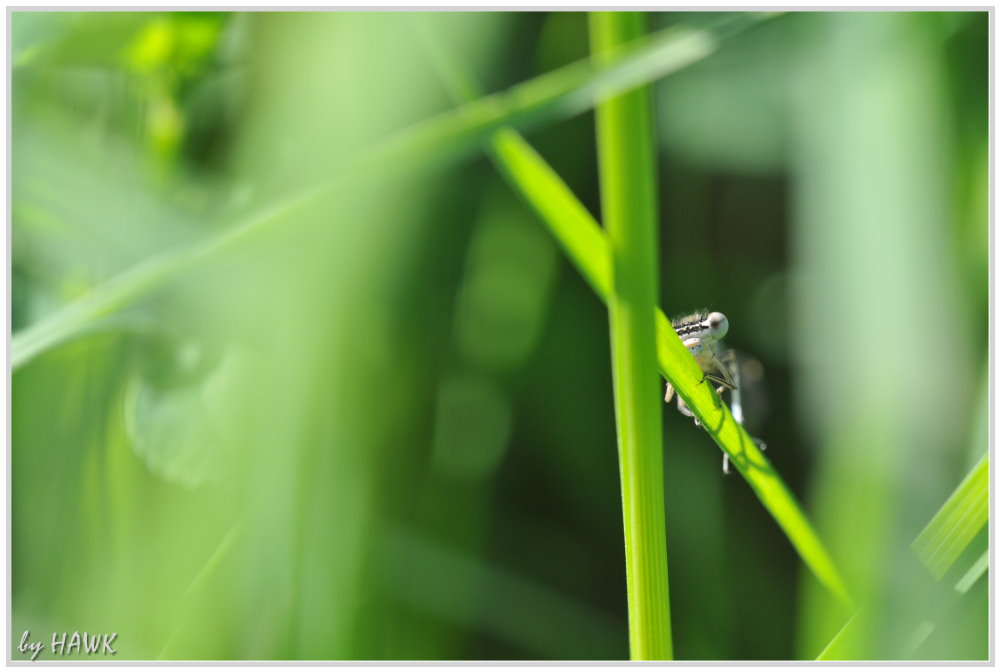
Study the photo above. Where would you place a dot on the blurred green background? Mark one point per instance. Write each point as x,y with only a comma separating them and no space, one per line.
380,425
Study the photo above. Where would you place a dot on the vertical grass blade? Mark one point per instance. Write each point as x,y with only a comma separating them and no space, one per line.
627,177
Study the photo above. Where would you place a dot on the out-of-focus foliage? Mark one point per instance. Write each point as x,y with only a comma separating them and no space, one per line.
382,426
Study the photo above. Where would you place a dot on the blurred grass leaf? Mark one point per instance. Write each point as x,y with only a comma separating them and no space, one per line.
204,574
957,522
949,533
555,95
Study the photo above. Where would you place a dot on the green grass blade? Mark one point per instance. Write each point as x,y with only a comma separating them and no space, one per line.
679,367
210,567
837,648
955,525
627,170
978,568
584,242
574,228
586,246
140,281
446,137
86,313
957,522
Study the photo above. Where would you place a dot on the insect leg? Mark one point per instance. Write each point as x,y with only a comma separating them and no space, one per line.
725,365
683,408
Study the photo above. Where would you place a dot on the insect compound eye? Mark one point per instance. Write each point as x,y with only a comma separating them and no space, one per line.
718,325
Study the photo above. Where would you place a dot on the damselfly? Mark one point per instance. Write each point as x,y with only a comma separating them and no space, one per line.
702,334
